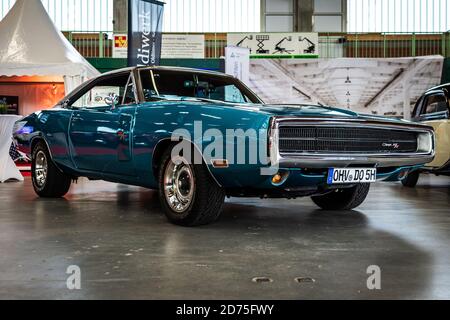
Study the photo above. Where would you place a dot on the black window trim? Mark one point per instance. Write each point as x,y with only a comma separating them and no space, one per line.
74,96
429,116
246,90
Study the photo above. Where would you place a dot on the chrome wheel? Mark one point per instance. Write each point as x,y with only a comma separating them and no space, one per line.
41,169
179,185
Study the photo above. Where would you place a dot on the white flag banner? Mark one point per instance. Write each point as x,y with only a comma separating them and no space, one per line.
237,63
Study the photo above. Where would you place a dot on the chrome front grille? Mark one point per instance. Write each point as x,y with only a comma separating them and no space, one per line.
346,140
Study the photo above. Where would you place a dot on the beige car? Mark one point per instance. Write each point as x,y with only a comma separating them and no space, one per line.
433,109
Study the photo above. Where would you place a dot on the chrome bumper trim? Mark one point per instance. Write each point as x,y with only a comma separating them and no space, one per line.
320,160
325,162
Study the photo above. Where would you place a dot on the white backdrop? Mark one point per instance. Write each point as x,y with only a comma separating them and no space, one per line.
8,169
381,86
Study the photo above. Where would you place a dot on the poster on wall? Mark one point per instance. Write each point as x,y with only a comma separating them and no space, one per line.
9,104
277,44
120,48
185,46
237,63
349,83
145,19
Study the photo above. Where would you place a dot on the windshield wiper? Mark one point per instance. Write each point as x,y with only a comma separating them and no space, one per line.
157,98
206,100
186,98
216,101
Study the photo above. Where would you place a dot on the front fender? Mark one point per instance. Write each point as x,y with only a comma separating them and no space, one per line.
199,122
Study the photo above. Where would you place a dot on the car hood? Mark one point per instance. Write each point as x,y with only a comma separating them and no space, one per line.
314,111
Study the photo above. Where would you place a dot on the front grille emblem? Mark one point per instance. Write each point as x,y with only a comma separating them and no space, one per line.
391,145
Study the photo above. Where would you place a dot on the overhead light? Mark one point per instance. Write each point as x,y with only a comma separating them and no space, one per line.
348,77
348,93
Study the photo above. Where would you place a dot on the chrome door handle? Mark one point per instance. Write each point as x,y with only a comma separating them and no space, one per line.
77,118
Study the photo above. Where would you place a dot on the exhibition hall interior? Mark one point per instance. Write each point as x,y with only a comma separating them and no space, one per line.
225,150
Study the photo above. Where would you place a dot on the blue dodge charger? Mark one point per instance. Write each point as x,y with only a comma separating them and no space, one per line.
199,136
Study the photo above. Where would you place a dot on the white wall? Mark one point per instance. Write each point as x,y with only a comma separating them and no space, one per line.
74,15
398,15
279,15
212,16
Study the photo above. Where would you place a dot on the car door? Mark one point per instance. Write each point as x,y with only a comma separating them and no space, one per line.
100,132
434,111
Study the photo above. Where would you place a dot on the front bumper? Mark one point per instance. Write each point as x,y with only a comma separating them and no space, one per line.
327,161
306,182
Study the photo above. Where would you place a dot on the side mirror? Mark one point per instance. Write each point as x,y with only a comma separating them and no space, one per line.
112,100
65,104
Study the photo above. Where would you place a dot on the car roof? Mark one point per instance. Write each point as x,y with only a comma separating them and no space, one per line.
442,86
130,69
166,68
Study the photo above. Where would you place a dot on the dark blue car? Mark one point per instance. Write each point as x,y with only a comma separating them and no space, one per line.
199,136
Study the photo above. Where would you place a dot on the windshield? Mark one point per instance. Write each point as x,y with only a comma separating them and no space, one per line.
180,85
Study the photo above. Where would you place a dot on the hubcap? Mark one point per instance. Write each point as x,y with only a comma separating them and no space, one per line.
41,169
178,185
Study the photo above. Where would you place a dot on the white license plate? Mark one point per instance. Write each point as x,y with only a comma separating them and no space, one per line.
351,175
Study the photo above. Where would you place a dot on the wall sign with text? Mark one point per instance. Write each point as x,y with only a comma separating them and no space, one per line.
120,47
277,44
183,46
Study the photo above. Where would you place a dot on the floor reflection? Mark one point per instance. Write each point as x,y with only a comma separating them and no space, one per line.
126,248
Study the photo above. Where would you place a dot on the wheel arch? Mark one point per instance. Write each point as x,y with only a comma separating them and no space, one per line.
35,140
38,139
166,143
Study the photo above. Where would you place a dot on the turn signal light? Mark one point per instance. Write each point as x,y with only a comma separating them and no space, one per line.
220,163
277,178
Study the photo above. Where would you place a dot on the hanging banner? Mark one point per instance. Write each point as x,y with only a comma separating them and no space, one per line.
277,44
144,32
237,63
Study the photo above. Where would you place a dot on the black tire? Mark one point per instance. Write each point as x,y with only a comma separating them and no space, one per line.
56,184
343,199
411,179
207,197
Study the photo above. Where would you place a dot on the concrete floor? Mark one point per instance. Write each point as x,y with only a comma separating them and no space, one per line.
125,248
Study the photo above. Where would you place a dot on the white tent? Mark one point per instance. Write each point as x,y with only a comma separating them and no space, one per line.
31,45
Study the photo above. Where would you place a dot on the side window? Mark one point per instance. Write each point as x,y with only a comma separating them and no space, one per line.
227,93
435,103
121,85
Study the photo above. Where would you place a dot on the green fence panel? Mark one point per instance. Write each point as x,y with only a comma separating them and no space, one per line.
109,64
